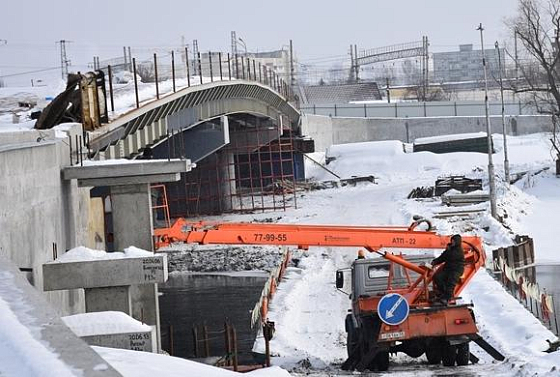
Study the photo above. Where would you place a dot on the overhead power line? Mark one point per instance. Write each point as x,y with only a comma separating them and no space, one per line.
29,72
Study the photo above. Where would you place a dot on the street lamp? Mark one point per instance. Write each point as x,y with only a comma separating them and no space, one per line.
2,42
506,162
488,132
242,42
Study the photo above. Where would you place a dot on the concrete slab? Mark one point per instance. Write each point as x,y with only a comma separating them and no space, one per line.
34,335
114,169
134,180
113,329
105,273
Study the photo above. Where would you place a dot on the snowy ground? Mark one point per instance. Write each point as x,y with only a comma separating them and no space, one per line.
309,312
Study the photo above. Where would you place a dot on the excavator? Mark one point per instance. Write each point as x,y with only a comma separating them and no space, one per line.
393,306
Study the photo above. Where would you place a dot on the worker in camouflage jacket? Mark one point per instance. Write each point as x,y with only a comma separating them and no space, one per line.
448,276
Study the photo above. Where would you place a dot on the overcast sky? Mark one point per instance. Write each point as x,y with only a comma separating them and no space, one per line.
317,28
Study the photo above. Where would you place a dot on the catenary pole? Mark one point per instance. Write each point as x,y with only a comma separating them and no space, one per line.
488,131
504,131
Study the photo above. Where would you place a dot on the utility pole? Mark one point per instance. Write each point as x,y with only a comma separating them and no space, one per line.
516,56
125,58
5,42
356,63
388,92
292,78
233,43
64,62
424,63
352,69
488,132
195,55
504,132
427,44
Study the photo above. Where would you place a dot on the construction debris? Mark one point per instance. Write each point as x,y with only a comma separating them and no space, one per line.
519,175
421,192
324,185
475,142
457,199
457,182
458,213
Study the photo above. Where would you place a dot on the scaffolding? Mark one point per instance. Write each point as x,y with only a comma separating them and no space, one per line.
254,172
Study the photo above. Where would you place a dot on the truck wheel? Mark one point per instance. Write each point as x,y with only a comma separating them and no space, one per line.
433,351
449,355
463,354
382,361
351,341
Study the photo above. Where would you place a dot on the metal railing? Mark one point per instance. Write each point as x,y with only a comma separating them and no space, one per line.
164,74
419,109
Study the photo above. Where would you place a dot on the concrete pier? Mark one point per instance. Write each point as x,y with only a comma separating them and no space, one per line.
34,326
125,284
129,184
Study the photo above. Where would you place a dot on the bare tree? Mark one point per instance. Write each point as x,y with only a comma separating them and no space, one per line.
537,25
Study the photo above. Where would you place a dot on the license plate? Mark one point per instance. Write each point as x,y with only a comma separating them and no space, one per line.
393,335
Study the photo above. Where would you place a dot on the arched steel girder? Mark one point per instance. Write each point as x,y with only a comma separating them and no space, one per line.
191,106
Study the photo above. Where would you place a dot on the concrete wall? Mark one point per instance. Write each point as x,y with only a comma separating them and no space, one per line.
39,209
320,128
327,131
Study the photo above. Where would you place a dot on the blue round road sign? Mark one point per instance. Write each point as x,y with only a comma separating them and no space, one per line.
393,309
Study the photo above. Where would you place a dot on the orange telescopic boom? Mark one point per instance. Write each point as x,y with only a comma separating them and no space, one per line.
374,239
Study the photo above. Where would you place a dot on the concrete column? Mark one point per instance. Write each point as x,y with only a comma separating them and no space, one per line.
143,137
132,225
154,132
110,152
150,133
135,142
226,162
132,216
145,307
108,299
121,149
128,145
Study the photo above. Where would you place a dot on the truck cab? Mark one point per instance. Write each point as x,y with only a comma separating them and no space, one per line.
441,333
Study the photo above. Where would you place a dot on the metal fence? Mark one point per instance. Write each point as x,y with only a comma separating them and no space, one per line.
514,267
419,109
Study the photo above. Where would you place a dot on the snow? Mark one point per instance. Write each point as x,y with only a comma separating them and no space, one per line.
120,161
545,188
309,312
21,351
442,138
84,254
144,364
97,323
388,161
307,309
61,130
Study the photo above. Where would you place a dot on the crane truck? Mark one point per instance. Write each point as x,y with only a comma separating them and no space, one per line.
392,297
